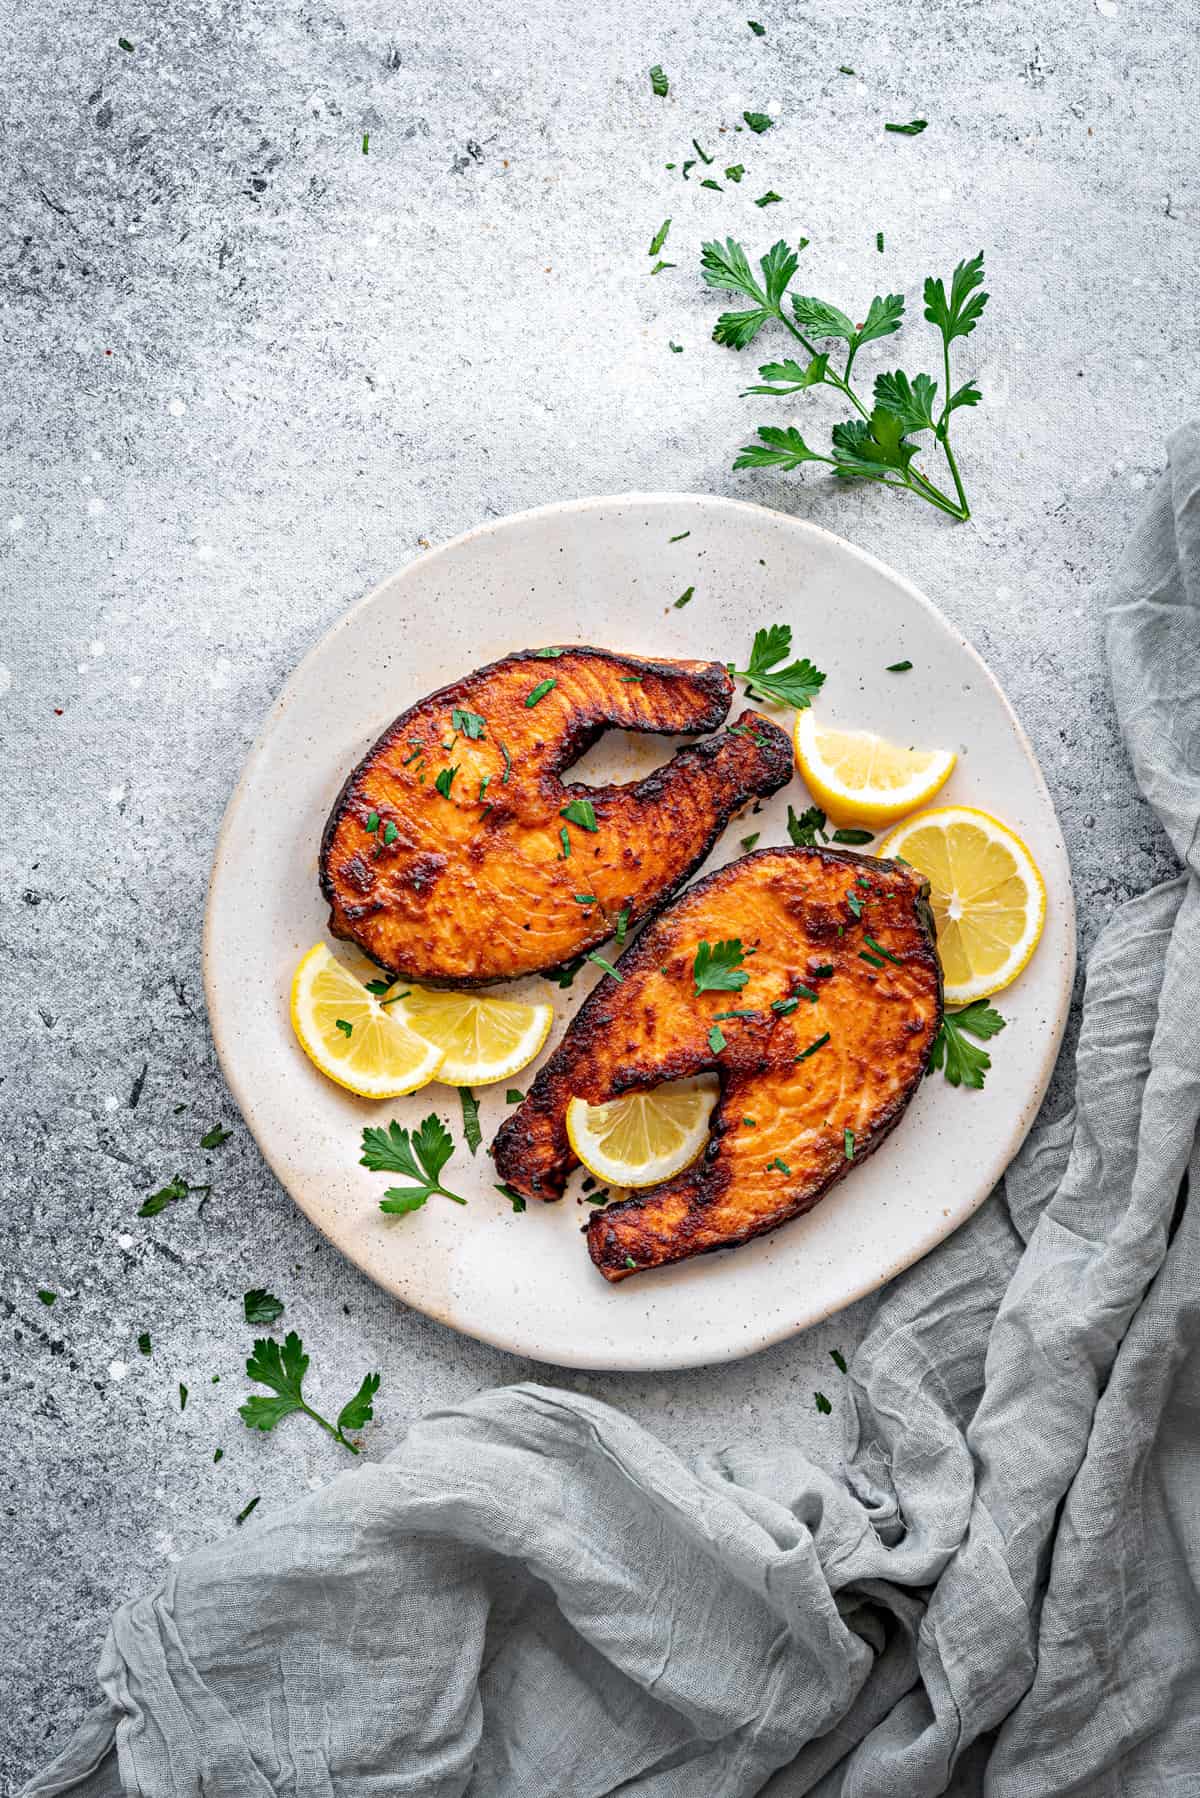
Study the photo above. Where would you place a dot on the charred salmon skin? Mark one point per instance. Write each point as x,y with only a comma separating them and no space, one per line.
818,1053
456,854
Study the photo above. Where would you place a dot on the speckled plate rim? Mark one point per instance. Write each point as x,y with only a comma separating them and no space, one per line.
916,1249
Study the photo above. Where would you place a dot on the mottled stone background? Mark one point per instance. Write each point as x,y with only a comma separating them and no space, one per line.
250,370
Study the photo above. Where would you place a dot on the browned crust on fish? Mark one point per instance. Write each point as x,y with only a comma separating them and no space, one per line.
777,1142
473,887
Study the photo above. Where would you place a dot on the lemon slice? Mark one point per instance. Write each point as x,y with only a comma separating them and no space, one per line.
350,1036
859,778
482,1040
988,897
644,1137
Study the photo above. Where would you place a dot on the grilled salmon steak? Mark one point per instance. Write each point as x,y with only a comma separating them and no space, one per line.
818,1052
455,854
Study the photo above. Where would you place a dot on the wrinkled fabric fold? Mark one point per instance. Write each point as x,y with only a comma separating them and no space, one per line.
1001,1595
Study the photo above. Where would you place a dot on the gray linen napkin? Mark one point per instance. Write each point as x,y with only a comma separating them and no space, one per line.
1001,1596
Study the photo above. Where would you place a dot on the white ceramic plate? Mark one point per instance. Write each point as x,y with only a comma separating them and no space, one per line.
605,571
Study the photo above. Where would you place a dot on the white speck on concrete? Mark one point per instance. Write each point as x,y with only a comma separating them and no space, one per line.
95,507
177,408
111,1102
124,1240
16,523
6,679
117,1370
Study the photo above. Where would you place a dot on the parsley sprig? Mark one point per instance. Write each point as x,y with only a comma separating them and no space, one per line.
798,684
283,1370
961,1062
420,1156
877,444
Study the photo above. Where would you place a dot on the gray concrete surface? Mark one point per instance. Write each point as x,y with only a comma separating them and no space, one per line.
249,370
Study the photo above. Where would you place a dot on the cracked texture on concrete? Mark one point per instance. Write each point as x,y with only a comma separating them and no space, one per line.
251,370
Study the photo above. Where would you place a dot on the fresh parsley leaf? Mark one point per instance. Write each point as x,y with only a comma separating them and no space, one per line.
660,237
515,1199
282,1368
717,967
261,1306
145,1346
445,780
958,315
748,843
548,655
758,122
912,402
756,28
513,1096
391,831
469,723
812,1048
781,1164
419,1157
914,128
170,1194
676,349
838,1359
565,976
770,198
702,154
786,378
822,1403
808,828
257,1499
898,667
684,598
848,1143
853,837
212,1139
961,1062
565,840
716,1039
581,812
658,82
125,45
844,69
622,923
46,1296
855,904
678,538
347,1029
735,172
879,242
540,691
782,446
472,1134
820,319
715,185
796,685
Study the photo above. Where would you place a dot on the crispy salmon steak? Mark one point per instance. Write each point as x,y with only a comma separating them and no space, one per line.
455,853
818,1053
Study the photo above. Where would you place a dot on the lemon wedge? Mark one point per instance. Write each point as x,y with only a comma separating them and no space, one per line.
988,897
645,1137
351,1037
481,1040
859,778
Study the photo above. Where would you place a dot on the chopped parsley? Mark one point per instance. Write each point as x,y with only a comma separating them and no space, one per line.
548,655
735,172
680,537
212,1139
257,1499
715,185
660,237
702,154
781,1164
855,904
684,598
848,1143
145,1346
716,1039
770,198
880,950
623,923
961,1062
420,1156
341,1024
372,824
808,828
513,1096
472,1134
507,766
658,82
749,842
417,749
758,122
47,1297
785,1007
261,1307
853,837
876,961
484,783
183,1396
796,685
445,780
914,128
601,963
717,967
838,1359
170,1194
282,1369
898,667
581,812
660,266
469,723
823,1404
756,28
391,831
879,242
565,840
125,45
540,691
584,898
813,1047
511,1194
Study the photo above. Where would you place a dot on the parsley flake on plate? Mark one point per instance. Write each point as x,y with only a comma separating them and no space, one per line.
472,1134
